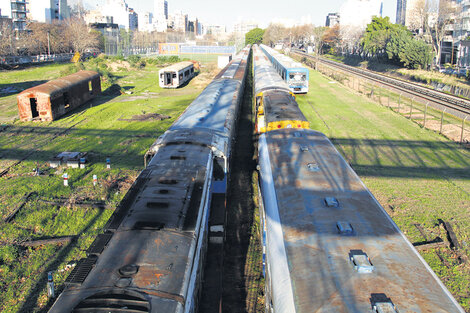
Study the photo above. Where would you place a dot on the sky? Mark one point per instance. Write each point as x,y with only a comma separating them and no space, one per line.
264,11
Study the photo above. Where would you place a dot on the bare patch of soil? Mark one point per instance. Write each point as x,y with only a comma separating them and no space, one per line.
117,65
145,117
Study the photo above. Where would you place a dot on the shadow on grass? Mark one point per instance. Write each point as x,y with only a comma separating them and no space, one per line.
32,298
404,158
15,88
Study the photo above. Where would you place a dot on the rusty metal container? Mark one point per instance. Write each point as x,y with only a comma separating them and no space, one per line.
55,98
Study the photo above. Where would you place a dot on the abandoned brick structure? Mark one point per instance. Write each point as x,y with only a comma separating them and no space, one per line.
48,101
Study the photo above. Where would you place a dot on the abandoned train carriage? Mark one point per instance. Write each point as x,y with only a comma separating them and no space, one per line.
176,75
48,101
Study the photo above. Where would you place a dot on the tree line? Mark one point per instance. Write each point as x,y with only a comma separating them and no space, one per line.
412,47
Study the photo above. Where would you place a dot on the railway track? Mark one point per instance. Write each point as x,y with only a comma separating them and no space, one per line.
449,101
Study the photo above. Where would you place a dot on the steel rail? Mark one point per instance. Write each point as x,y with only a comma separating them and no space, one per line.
438,97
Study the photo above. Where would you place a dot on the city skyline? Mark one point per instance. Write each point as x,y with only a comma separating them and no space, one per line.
270,11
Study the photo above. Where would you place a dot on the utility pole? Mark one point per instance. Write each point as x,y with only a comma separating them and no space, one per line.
48,43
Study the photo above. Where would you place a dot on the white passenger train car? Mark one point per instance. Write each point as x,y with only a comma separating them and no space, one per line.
176,75
330,246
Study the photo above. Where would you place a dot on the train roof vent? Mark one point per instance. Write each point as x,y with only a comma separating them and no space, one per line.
81,271
303,148
345,228
382,304
148,225
331,202
99,244
384,307
313,167
361,261
114,301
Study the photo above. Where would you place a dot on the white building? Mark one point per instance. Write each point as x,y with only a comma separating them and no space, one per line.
243,27
122,15
46,11
16,11
332,19
178,21
161,8
145,22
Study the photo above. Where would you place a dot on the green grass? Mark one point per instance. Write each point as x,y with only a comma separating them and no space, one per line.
97,128
418,175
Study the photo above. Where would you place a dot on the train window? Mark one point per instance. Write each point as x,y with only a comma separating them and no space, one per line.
181,76
90,87
174,75
186,73
291,76
192,70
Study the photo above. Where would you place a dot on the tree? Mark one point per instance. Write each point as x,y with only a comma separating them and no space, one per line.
254,36
7,39
376,36
331,38
397,43
436,23
273,34
318,33
416,54
80,36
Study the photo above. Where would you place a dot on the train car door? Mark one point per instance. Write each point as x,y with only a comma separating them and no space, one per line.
167,78
34,107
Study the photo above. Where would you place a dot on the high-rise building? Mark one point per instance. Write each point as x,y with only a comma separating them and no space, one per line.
16,11
133,19
332,19
161,8
122,15
47,11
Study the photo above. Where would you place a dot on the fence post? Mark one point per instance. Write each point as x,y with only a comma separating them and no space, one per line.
411,107
463,127
425,112
442,120
399,102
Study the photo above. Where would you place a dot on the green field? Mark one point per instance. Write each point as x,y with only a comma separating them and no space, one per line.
103,128
416,174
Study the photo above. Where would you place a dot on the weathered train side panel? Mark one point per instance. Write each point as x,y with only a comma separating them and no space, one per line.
343,253
55,98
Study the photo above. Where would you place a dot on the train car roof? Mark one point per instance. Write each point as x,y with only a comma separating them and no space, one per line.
148,253
59,84
281,106
284,60
212,108
177,66
265,76
344,253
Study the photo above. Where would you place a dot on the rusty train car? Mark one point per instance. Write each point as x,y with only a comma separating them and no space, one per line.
55,98
329,246
151,255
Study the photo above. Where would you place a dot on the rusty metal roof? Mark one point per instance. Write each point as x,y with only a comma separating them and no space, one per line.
57,85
